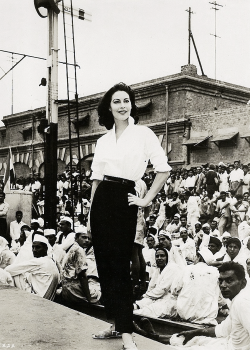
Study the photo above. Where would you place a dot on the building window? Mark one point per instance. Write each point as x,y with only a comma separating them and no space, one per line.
27,134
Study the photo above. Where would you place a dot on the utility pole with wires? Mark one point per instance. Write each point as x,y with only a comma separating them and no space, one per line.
191,37
215,8
51,9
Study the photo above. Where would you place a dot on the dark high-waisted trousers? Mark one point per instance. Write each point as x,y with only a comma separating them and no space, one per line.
113,228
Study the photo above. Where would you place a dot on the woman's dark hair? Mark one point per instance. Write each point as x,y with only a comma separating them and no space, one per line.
158,247
105,115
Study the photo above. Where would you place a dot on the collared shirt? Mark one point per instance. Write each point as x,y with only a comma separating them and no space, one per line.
4,207
15,228
236,175
74,262
237,324
128,156
190,181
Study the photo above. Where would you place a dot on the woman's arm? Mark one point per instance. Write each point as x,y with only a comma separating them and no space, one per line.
94,187
159,181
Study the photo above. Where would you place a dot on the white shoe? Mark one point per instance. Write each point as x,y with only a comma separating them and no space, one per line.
132,347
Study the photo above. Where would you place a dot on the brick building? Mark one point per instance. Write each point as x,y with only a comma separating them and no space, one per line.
197,120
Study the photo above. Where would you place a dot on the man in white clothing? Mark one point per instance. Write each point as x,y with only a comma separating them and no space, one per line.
66,236
39,275
231,334
236,178
234,331
15,227
58,253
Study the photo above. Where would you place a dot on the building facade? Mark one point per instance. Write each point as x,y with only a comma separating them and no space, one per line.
197,120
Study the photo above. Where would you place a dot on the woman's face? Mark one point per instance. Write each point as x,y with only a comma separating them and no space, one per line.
232,250
120,105
161,258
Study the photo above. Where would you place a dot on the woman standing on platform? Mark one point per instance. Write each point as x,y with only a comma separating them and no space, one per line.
121,158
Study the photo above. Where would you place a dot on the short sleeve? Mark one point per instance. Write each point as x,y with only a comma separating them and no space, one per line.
97,164
223,329
80,261
156,153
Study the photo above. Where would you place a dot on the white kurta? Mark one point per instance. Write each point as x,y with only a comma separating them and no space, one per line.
35,275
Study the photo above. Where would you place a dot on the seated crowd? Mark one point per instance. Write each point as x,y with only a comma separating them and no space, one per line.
197,222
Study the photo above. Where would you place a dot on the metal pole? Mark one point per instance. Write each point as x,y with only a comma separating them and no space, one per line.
12,88
189,31
52,130
196,51
167,102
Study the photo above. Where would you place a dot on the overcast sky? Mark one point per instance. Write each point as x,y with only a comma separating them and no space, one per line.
128,40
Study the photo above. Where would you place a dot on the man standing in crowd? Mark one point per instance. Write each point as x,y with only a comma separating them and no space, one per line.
211,181
236,179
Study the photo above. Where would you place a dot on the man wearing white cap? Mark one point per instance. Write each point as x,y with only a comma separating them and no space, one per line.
186,245
39,275
66,236
58,253
175,254
174,226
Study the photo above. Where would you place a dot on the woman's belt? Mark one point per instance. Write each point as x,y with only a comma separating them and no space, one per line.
119,180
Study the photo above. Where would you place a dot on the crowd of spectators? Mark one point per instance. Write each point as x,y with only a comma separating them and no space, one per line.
199,220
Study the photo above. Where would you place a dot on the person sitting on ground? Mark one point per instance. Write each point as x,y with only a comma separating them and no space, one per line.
75,286
149,253
151,221
159,286
172,203
198,290
25,251
215,246
174,226
66,236
18,243
15,227
231,334
38,275
186,245
198,233
224,238
175,254
57,252
234,252
7,257
92,273
214,231
206,236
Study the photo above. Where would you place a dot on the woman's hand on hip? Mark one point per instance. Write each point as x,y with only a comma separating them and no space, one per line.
134,200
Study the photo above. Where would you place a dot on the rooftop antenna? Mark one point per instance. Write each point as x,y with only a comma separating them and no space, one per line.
215,8
12,86
190,36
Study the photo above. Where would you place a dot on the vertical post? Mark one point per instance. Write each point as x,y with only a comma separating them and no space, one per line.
52,130
189,31
12,89
166,113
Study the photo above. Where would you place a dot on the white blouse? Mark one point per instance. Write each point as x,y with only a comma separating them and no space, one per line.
128,156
